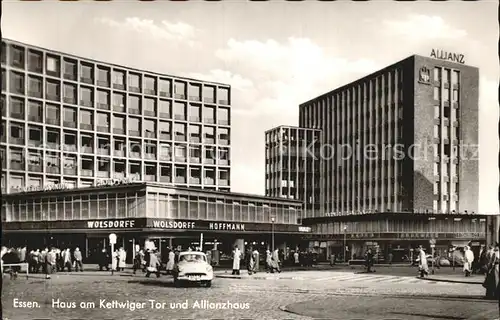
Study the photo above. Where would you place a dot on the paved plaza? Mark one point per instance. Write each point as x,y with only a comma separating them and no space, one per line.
289,295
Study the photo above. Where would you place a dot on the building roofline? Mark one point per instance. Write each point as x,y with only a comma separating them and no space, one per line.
143,185
375,73
290,127
74,56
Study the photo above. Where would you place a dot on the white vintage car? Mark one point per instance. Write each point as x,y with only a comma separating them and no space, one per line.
193,267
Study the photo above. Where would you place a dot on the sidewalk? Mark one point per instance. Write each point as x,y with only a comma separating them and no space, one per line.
456,278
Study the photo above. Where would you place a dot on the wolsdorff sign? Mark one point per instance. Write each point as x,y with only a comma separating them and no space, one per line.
155,224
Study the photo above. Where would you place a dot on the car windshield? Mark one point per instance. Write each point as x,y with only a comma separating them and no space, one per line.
192,258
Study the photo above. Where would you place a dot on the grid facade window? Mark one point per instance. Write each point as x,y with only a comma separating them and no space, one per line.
94,110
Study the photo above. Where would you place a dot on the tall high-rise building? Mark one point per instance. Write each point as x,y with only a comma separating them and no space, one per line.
71,121
292,166
404,139
412,130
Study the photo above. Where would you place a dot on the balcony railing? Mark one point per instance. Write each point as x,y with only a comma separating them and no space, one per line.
134,89
85,79
14,165
149,113
17,115
194,160
34,143
165,136
209,161
86,149
87,172
223,182
165,115
224,102
209,140
35,168
195,98
118,174
103,106
134,154
209,120
118,86
134,110
180,179
119,108
195,139
52,97
35,118
103,128
150,91
118,130
52,121
223,162
135,176
69,100
165,179
149,134
165,157
134,133
194,118
224,142
70,147
70,171
69,124
195,180
69,76
180,159
223,122
103,151
16,140
150,156
209,100
150,177
209,181
103,83
180,138
180,117
103,174
180,96
52,169
119,153
87,103
165,94
86,126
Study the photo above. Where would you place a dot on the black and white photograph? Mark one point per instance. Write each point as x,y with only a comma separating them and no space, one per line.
246,160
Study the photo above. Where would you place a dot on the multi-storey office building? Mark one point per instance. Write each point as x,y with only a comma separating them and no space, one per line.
292,166
80,138
412,132
72,120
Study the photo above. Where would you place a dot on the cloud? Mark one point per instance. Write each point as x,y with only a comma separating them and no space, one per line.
281,75
418,27
166,30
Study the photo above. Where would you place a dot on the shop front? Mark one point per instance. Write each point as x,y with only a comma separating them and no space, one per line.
91,236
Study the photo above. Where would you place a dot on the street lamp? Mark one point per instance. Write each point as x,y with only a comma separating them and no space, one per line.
345,244
272,233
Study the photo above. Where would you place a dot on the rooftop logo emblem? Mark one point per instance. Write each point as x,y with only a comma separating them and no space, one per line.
424,75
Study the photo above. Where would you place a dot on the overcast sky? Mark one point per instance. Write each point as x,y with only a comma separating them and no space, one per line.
275,55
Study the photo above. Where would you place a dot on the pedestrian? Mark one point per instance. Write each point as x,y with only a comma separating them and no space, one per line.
104,260
268,261
468,260
332,259
369,260
423,267
296,258
491,281
256,262
153,265
50,262
249,260
171,261
11,257
66,259
275,261
138,261
122,258
114,261
236,260
77,255
390,257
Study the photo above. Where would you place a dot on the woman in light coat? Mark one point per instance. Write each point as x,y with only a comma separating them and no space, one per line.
275,261
170,262
122,258
468,259
268,261
423,267
114,260
236,260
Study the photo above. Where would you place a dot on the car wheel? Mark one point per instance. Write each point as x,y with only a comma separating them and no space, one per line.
208,284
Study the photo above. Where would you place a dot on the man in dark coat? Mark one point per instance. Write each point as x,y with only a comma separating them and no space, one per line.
104,260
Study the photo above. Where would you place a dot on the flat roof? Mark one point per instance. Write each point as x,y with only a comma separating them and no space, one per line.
291,127
144,185
376,73
74,56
